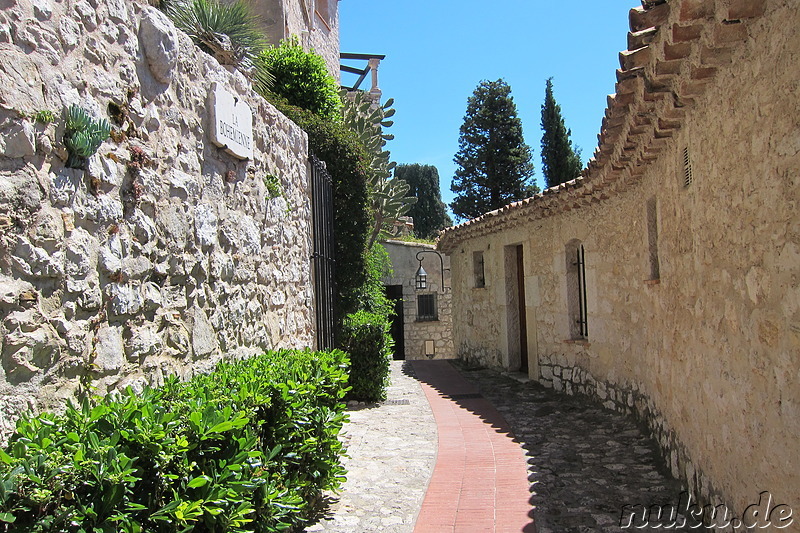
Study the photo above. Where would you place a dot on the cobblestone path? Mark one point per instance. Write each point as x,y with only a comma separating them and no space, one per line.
585,462
391,451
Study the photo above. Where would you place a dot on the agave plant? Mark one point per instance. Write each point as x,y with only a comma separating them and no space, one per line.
83,135
228,31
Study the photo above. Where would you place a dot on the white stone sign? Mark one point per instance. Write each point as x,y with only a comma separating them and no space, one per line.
231,123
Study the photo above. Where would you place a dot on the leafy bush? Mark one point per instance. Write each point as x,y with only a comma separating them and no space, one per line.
346,160
249,447
366,338
83,135
373,297
302,78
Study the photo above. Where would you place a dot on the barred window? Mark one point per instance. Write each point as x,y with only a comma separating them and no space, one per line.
426,307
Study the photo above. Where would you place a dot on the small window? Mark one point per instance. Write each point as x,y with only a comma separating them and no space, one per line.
652,238
426,307
576,290
477,267
321,7
688,178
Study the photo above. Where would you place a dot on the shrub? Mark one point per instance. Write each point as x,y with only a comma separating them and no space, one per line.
366,338
346,162
373,297
249,447
302,78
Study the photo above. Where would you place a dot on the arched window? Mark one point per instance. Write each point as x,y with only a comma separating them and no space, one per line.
576,289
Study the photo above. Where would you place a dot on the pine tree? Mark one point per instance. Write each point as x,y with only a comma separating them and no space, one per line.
560,162
494,162
429,213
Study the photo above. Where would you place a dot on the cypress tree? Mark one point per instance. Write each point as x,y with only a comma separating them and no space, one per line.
429,213
560,161
494,161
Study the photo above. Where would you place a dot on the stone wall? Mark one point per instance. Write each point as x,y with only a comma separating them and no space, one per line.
704,347
416,332
166,253
314,22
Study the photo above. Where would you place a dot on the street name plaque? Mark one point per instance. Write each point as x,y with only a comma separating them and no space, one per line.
231,123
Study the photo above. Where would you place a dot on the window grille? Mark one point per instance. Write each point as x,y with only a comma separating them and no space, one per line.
576,290
652,238
426,307
687,168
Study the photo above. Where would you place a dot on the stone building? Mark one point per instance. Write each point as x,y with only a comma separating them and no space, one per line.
664,280
169,251
314,22
423,319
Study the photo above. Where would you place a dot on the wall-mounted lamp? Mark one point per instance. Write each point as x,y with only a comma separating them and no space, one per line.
422,276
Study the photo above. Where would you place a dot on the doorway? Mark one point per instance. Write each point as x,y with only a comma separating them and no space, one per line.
516,312
397,329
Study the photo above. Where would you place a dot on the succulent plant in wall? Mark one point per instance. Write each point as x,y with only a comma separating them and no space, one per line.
83,135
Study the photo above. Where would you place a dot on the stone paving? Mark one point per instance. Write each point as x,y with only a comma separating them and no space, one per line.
585,462
391,453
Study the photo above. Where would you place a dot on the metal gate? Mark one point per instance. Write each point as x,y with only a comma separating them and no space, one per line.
323,256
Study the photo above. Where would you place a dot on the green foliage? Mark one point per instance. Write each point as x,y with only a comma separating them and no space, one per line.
429,213
494,163
274,187
44,116
389,198
247,448
560,162
365,336
412,238
228,31
373,297
301,78
345,158
83,135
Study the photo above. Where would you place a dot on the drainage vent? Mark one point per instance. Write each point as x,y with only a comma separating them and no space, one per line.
396,402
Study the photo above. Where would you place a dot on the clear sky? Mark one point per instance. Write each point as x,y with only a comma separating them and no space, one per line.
437,51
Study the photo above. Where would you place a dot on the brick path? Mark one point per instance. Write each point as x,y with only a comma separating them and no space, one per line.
584,462
480,479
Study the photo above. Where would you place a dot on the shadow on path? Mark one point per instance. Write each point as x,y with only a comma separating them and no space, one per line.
479,481
585,462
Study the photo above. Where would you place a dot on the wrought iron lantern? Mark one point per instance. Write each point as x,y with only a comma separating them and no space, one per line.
421,277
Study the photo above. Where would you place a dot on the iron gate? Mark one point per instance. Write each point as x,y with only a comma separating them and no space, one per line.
323,256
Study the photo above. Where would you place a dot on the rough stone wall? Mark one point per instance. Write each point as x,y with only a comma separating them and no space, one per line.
166,253
707,353
314,22
416,332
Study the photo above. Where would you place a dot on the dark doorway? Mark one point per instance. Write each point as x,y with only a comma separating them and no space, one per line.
395,294
523,319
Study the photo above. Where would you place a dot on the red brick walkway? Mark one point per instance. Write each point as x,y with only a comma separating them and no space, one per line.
480,481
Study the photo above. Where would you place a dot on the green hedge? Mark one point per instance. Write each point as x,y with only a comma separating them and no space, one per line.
365,336
345,159
249,447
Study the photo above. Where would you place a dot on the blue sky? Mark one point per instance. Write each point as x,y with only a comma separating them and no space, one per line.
437,51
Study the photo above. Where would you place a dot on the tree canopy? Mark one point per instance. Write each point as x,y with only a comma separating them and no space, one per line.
494,163
560,161
429,213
